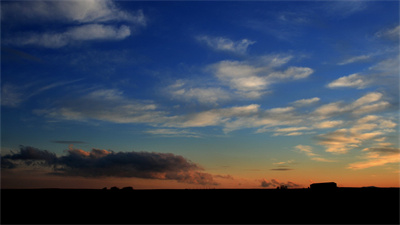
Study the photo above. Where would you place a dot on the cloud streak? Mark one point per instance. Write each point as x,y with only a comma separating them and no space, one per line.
226,44
85,20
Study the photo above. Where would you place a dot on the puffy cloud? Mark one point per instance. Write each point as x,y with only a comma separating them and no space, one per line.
226,44
353,80
252,79
105,163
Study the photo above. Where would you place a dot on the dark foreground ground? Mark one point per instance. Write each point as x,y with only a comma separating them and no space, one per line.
293,206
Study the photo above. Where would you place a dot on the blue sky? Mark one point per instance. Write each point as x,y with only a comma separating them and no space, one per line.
249,91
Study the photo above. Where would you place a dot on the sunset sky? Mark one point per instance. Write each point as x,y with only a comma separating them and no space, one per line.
199,94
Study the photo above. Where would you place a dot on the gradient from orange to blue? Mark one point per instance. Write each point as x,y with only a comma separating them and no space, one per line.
199,94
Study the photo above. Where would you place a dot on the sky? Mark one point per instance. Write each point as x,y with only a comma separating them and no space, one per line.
199,94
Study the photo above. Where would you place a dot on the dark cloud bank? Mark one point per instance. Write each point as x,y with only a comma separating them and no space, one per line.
104,163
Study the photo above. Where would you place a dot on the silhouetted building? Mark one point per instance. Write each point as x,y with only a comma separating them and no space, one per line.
324,186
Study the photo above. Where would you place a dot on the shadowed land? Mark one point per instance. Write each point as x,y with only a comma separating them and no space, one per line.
343,205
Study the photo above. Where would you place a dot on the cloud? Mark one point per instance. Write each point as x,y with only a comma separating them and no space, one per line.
253,78
308,150
355,59
276,183
305,102
367,128
204,95
14,95
83,21
360,106
353,80
87,32
105,163
173,133
104,105
226,44
377,156
391,33
328,124
281,169
88,11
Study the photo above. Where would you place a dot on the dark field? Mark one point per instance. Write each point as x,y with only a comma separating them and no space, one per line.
293,206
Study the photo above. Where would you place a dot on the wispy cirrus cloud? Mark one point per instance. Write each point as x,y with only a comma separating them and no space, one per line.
308,150
108,105
13,95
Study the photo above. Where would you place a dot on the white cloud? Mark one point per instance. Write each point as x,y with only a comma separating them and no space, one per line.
226,44
252,79
353,80
328,124
205,95
73,11
294,73
367,128
360,106
355,59
389,33
87,20
308,101
87,32
377,156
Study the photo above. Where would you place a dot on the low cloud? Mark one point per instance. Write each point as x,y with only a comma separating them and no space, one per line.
276,183
105,163
281,169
